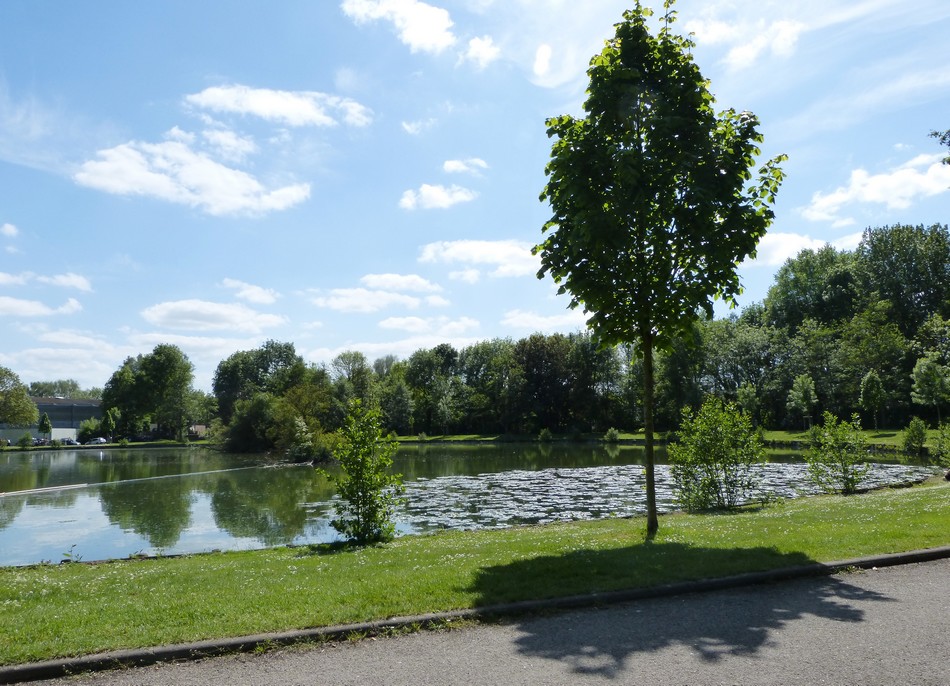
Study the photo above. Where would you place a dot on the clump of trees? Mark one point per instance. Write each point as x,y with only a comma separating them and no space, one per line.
155,390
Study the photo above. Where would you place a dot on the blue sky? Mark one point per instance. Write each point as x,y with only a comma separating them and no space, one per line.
364,175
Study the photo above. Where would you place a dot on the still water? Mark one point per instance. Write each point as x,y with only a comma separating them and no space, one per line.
103,504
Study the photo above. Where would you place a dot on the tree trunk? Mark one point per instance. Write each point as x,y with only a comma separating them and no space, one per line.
652,522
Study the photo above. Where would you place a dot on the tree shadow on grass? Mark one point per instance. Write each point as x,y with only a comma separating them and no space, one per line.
727,622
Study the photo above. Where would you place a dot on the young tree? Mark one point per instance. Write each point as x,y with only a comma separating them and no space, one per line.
802,397
836,457
369,493
46,426
872,394
652,205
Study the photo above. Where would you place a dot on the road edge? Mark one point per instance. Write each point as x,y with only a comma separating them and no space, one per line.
119,659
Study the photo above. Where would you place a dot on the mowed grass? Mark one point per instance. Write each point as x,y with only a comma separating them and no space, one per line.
50,611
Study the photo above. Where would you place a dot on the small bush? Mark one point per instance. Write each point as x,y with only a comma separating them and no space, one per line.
545,435
369,493
915,435
712,461
611,435
26,441
836,457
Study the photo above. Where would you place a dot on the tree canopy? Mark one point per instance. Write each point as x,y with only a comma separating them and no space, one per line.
653,202
16,407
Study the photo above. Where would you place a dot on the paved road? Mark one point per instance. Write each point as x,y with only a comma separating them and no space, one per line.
882,626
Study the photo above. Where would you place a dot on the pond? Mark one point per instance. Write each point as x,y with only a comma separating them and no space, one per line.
107,504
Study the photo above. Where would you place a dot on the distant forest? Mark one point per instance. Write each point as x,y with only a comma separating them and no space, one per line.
865,331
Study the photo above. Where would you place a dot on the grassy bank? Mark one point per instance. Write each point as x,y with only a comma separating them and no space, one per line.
71,609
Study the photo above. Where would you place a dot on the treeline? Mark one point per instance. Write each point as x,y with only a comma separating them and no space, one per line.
864,331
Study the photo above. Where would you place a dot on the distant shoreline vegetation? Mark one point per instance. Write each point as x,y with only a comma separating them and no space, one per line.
865,331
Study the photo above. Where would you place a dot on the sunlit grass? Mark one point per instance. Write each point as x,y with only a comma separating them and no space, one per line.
51,611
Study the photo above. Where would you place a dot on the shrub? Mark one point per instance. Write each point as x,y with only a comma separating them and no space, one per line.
26,441
88,429
545,435
835,458
369,493
915,435
611,435
712,460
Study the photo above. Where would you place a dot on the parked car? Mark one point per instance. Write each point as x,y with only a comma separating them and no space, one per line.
69,441
97,441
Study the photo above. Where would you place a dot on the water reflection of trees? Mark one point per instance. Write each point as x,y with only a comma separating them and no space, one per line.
265,504
157,509
429,461
10,508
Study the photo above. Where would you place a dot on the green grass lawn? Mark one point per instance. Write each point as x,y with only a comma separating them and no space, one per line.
49,611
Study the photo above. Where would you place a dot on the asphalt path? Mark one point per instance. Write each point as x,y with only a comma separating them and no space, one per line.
878,626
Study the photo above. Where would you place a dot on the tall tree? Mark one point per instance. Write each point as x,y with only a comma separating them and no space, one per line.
272,368
908,266
802,398
16,407
872,394
931,382
166,375
651,195
45,426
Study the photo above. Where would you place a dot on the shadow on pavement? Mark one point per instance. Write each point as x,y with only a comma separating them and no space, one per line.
738,621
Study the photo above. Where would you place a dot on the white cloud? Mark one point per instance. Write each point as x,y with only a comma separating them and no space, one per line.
72,339
435,197
291,108
775,248
921,177
9,230
778,39
439,326
522,320
481,52
251,293
409,324
202,315
173,172
14,279
69,280
399,282
229,145
472,165
421,26
437,301
414,128
749,39
363,300
16,307
510,258
466,275
542,61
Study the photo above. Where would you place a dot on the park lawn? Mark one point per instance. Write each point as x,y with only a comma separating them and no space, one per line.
72,609
888,438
